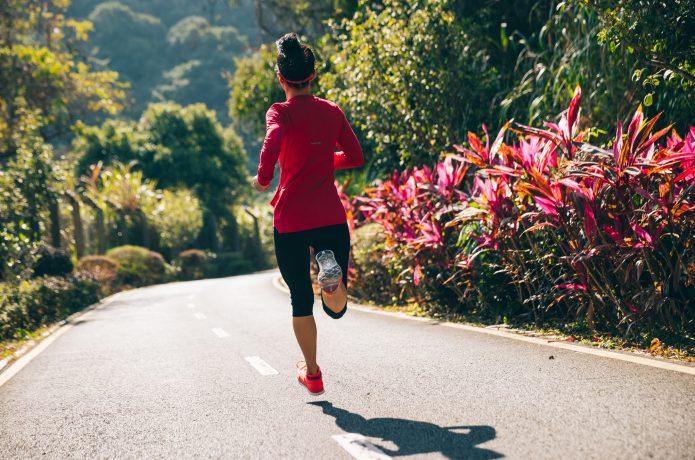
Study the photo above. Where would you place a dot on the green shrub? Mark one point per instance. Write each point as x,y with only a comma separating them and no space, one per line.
31,304
12,312
370,278
178,218
228,264
52,261
138,266
52,298
103,269
192,264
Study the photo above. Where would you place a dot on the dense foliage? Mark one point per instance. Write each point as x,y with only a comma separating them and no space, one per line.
44,89
41,75
414,76
660,36
394,65
68,192
254,88
175,147
41,301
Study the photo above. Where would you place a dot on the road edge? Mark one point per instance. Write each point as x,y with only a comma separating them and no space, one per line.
14,366
617,355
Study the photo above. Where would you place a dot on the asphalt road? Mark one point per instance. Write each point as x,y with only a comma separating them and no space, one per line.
161,373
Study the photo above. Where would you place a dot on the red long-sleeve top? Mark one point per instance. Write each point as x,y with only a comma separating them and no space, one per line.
303,134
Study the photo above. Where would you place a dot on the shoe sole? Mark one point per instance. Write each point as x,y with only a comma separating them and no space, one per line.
309,391
330,288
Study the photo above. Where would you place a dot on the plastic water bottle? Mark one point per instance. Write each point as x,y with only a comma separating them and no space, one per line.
330,273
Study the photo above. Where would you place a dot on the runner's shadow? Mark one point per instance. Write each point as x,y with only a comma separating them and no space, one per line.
413,437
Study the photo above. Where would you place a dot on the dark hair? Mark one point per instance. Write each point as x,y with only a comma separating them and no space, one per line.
295,60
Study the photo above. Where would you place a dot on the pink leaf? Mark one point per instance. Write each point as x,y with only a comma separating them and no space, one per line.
634,127
589,222
569,183
417,274
548,206
615,236
633,309
577,287
618,143
573,111
641,233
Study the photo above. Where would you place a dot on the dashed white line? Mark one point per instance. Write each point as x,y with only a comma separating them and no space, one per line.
261,366
190,305
200,316
219,332
359,447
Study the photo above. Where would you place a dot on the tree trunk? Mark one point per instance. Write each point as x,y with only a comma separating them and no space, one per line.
122,227
143,227
208,234
231,236
76,222
257,245
54,211
101,231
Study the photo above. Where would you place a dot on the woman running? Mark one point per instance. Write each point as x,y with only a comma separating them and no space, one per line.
303,134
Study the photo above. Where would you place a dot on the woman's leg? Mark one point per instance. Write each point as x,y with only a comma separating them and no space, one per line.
292,253
337,239
305,331
336,300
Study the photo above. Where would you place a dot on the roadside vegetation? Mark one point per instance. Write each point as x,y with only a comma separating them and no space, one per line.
102,187
496,191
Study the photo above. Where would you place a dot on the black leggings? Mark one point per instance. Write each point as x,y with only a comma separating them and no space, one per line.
292,253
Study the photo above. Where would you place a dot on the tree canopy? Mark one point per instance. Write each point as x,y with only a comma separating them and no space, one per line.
175,146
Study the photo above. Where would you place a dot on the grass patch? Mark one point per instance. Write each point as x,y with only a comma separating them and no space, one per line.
9,347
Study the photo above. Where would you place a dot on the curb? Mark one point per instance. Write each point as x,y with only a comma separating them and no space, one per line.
279,284
9,367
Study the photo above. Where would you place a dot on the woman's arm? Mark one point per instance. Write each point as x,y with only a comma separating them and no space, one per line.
274,129
350,154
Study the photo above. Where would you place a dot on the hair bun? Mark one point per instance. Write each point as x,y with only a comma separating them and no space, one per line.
289,45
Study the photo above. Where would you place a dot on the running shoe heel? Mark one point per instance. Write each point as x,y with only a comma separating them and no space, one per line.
330,273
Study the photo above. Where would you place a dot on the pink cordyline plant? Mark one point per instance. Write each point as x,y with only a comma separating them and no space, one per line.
413,208
603,235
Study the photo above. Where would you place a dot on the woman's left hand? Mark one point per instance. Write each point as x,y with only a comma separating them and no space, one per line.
257,185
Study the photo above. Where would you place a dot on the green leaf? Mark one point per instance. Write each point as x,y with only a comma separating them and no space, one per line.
648,100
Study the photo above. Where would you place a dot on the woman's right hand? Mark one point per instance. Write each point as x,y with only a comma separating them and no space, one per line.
257,185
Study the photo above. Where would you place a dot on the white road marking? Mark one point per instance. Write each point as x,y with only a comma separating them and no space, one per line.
200,316
359,447
221,333
261,366
4,362
190,305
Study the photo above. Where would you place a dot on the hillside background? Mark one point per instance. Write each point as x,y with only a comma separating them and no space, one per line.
170,50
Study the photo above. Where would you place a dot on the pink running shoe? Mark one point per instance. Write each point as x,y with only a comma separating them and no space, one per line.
312,382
